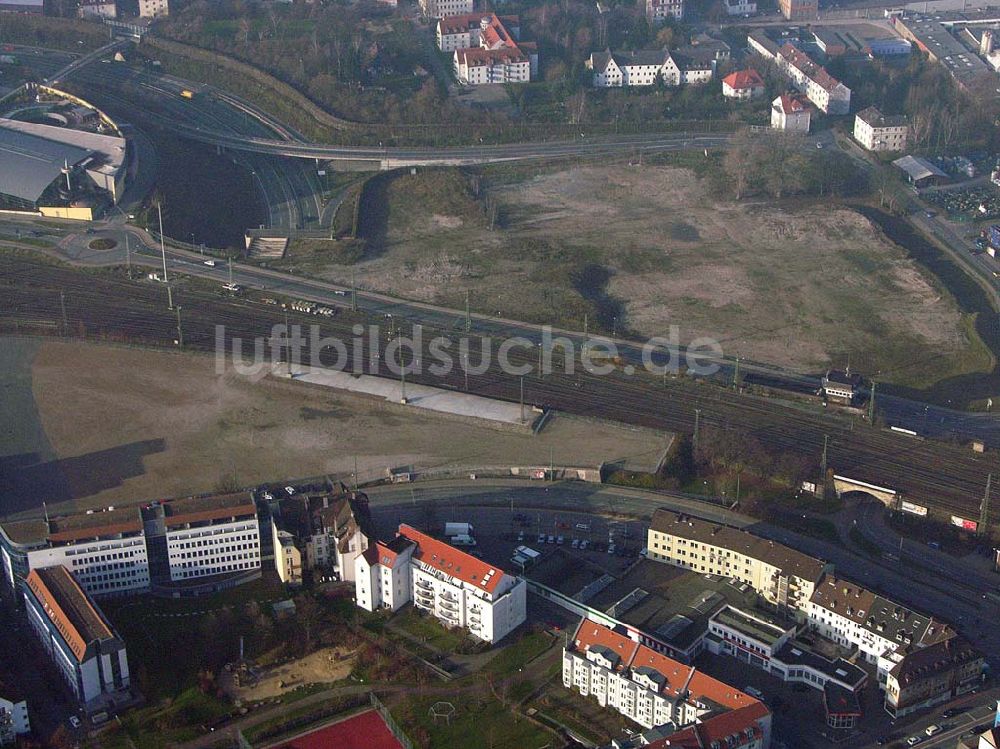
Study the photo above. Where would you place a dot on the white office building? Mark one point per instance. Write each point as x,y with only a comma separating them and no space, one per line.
87,652
121,551
457,588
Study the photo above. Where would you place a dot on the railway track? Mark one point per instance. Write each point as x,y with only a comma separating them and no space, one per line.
101,305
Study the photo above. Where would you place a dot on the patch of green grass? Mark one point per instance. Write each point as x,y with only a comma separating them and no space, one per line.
517,654
172,721
488,721
428,630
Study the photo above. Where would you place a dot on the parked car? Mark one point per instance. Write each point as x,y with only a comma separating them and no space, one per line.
552,539
559,541
576,543
914,740
540,539
933,730
74,721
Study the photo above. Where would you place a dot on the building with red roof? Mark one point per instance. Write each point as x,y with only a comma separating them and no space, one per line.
459,589
828,94
791,113
485,50
743,85
692,709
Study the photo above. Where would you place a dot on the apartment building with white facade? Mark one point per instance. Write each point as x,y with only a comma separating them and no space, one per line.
660,11
493,55
829,95
14,720
457,588
445,8
784,577
687,707
646,68
878,132
127,550
79,640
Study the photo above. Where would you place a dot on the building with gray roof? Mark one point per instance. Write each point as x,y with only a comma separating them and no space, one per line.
29,165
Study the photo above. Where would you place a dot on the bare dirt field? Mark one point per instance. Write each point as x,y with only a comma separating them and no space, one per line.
325,666
129,424
801,284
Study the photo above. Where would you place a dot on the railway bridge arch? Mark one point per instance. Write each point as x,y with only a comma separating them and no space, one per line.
846,485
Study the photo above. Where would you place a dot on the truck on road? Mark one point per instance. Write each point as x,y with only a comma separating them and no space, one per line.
451,530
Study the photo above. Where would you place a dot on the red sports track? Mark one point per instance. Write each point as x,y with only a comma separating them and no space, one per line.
364,731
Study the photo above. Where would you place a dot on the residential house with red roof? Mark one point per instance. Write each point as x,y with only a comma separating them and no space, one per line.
658,692
743,85
459,589
791,113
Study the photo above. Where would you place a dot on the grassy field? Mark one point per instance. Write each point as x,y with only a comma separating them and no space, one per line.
804,284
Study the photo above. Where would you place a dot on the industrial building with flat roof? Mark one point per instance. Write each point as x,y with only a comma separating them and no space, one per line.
82,644
936,40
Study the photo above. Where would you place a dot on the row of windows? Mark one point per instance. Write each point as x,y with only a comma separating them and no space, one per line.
218,560
206,571
213,551
211,541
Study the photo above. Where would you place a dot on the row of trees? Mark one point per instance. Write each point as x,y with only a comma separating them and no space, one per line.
781,165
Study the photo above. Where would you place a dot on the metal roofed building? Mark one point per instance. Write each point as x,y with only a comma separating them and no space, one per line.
29,165
82,644
107,152
920,171
22,6
936,40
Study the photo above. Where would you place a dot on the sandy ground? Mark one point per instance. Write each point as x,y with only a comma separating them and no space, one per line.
322,667
132,424
805,286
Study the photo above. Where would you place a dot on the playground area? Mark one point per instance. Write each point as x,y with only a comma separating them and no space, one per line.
325,666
